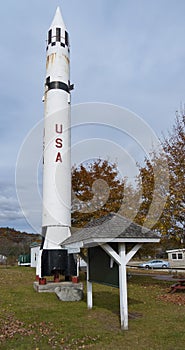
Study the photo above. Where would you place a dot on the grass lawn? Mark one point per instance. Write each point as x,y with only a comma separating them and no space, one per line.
31,320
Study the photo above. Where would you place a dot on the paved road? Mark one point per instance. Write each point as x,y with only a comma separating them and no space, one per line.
156,276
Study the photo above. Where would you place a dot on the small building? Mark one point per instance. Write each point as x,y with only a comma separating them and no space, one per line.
24,260
34,247
176,257
3,259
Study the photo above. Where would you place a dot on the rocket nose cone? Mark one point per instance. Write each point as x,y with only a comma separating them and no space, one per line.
58,20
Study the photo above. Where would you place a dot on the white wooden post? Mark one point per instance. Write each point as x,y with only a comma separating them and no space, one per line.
123,287
89,290
38,267
78,266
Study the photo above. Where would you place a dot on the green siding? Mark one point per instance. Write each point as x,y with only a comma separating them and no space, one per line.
99,267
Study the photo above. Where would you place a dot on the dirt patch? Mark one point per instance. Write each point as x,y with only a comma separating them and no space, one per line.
134,315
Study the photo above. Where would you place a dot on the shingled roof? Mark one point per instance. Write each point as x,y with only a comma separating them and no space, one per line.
111,228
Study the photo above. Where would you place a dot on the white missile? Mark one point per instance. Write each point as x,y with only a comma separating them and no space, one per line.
56,218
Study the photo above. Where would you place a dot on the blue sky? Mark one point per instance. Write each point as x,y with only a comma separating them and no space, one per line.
129,53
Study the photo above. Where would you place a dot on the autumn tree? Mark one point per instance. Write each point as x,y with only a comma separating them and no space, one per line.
97,190
158,199
174,146
172,219
154,178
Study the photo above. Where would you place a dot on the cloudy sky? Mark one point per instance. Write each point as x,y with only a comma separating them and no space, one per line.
128,53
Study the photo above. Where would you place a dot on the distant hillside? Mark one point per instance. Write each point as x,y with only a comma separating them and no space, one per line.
13,243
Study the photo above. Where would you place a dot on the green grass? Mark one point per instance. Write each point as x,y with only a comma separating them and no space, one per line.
31,320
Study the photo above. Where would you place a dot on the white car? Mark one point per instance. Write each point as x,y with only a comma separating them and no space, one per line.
155,264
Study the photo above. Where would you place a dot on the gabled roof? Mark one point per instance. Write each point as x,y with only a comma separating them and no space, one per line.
111,228
178,250
35,244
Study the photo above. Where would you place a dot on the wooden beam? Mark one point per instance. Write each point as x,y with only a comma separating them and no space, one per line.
111,252
132,252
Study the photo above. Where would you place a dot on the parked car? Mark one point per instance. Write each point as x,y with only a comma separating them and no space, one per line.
155,264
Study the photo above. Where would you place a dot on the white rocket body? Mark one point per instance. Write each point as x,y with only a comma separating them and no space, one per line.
56,219
56,216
